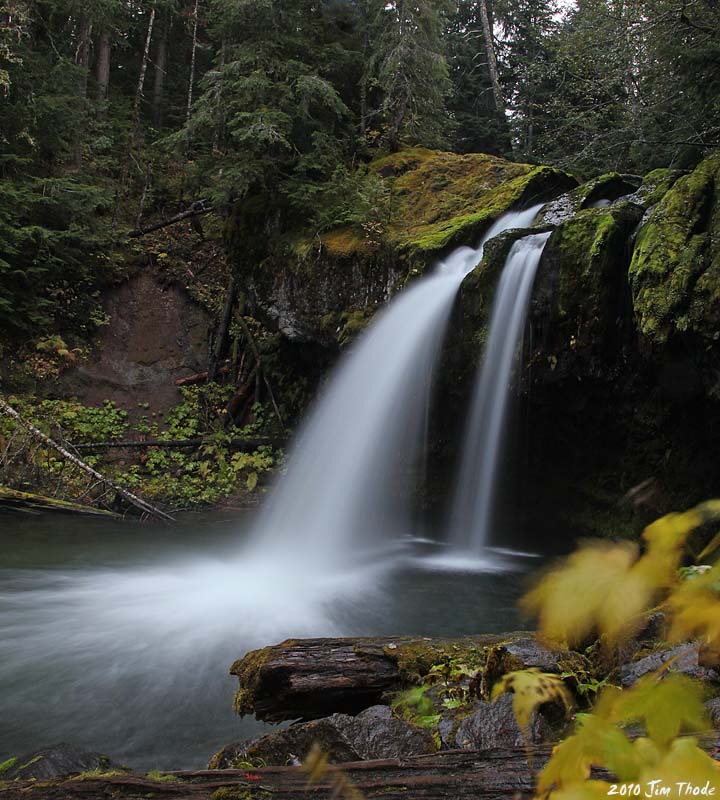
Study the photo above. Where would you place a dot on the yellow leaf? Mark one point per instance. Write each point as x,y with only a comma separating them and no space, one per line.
666,706
315,764
531,688
589,790
685,763
599,587
695,608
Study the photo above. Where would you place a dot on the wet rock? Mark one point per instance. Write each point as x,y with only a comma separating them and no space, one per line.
287,747
713,711
57,761
493,725
676,262
685,661
376,733
527,652
598,193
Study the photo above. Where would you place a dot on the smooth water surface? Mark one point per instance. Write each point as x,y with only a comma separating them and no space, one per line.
118,637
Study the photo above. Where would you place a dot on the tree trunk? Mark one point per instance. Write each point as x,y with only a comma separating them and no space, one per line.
159,87
222,333
191,83
490,54
82,59
139,92
103,73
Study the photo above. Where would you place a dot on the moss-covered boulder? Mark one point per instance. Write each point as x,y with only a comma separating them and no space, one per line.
325,286
580,291
446,200
675,269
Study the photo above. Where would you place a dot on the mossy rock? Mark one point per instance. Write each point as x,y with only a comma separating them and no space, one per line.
675,269
444,199
582,274
605,188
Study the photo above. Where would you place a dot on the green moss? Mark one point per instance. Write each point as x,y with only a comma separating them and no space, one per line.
240,792
675,270
7,765
161,777
248,671
587,255
656,185
94,774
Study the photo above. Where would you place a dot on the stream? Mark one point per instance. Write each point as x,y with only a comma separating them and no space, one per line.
118,637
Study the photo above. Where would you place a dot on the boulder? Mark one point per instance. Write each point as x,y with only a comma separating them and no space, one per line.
527,652
597,193
493,725
57,761
685,661
377,733
675,269
373,734
286,747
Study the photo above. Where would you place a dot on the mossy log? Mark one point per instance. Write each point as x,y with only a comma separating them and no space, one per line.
449,775
312,678
487,775
27,503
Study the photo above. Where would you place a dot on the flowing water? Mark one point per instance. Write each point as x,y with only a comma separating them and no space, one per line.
345,488
119,637
472,513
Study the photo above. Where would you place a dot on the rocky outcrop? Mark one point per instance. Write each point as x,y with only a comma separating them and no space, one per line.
685,659
494,725
324,287
373,734
675,269
154,335
57,761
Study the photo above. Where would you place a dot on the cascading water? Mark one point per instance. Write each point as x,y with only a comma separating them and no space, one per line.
343,487
472,512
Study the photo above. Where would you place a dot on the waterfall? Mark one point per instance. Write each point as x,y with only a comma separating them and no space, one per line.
472,512
345,487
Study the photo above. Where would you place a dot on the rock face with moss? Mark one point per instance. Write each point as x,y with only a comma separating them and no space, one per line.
675,270
325,286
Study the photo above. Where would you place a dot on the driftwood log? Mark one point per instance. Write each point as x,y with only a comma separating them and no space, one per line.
28,503
244,445
452,775
312,678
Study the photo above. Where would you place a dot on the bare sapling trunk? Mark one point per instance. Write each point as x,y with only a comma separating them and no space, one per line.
491,59
160,72
102,73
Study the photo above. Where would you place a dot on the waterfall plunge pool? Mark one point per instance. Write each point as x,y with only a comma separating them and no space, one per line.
118,637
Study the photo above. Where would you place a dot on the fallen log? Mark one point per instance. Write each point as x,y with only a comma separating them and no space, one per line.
245,445
133,499
450,775
198,208
312,678
28,503
199,377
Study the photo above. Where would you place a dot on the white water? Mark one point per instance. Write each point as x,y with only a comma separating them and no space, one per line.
472,512
346,488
